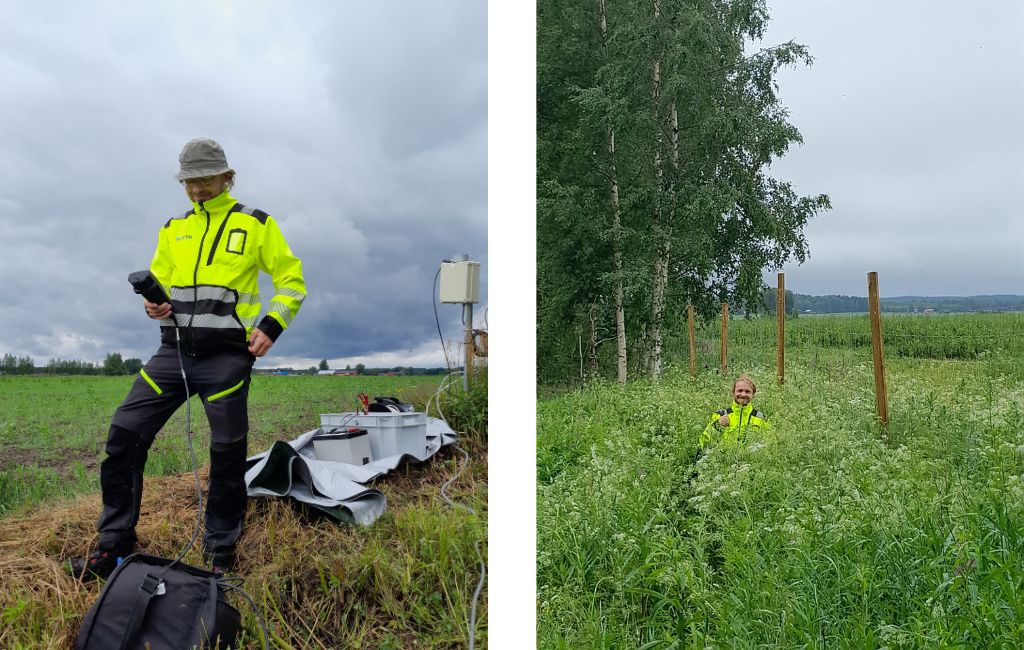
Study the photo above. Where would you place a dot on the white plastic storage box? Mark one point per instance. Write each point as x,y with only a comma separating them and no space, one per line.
346,444
391,434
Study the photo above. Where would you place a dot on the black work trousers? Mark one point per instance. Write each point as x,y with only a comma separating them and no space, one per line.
222,383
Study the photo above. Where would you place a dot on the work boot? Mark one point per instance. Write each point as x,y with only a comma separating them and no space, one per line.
98,565
221,560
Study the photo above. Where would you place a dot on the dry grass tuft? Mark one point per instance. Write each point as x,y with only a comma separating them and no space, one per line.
405,581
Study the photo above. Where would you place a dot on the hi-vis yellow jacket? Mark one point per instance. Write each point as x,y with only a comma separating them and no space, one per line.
741,421
208,260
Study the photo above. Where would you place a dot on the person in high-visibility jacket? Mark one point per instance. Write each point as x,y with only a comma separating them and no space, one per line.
735,422
208,261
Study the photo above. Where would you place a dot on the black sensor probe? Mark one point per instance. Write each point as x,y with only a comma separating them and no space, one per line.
146,285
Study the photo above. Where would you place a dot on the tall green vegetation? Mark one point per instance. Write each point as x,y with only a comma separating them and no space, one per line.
823,532
655,128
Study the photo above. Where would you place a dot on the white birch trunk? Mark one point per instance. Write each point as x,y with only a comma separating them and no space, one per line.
664,258
660,265
620,314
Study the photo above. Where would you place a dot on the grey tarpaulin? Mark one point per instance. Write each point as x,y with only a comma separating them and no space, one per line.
291,469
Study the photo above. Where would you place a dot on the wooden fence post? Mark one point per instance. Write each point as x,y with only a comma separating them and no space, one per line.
780,334
725,335
881,397
693,340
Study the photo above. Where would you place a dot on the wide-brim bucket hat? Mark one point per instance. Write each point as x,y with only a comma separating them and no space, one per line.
201,157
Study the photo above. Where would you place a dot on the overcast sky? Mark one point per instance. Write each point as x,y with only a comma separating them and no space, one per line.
913,122
361,127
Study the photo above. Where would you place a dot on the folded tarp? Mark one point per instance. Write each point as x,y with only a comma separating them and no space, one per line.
333,487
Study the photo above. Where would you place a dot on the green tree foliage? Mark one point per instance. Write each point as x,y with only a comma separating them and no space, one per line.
573,256
132,366
700,217
70,367
323,364
12,365
768,301
113,364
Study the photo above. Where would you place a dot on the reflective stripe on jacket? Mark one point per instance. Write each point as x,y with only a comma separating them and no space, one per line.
209,261
741,421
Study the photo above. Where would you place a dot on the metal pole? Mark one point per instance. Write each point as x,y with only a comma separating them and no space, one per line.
467,316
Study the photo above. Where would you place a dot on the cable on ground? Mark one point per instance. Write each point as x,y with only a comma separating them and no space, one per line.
445,383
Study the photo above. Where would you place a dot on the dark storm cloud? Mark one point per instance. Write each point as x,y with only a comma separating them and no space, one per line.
913,123
362,130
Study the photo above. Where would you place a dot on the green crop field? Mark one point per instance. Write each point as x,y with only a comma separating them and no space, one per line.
407,580
824,532
53,429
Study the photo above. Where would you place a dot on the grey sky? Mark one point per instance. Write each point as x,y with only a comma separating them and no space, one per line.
361,127
913,123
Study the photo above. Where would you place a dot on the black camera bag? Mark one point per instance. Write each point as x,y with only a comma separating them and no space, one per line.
155,603
389,405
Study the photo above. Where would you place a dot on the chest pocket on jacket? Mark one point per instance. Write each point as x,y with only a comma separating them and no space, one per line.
236,241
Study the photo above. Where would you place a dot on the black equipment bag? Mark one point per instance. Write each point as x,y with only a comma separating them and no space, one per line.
389,404
148,603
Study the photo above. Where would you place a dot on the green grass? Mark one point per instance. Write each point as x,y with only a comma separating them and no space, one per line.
53,429
405,581
823,533
968,337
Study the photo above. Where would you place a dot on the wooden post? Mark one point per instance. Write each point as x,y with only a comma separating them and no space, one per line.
780,334
881,397
725,335
693,340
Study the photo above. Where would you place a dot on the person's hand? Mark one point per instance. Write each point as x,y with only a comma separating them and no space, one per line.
724,420
259,343
155,311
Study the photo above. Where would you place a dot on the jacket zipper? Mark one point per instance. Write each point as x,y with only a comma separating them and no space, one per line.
742,430
195,279
220,231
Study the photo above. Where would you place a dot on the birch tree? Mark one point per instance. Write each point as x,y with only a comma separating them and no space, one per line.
620,313
657,123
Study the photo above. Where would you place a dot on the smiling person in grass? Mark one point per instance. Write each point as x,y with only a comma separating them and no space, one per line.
736,421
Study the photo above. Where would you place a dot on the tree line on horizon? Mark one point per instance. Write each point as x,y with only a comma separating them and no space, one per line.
797,303
358,369
114,364
842,304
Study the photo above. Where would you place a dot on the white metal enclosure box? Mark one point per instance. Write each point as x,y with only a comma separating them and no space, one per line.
460,282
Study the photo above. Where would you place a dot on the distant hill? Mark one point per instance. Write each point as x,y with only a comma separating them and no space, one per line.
835,304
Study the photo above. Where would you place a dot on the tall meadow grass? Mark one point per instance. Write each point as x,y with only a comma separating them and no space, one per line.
826,531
